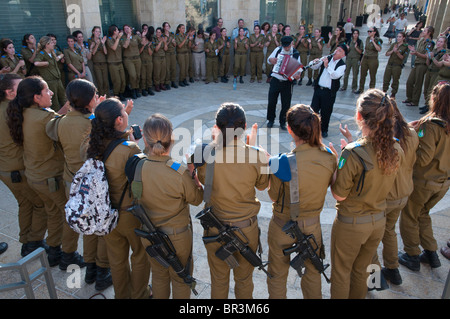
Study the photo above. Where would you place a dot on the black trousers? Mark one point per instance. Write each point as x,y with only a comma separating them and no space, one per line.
278,87
322,103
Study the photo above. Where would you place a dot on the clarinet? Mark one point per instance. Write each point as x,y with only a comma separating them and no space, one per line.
312,63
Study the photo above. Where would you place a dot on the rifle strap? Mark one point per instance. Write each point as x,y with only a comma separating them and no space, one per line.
209,177
293,187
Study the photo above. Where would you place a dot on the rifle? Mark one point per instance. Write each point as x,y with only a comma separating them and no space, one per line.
305,250
230,242
161,247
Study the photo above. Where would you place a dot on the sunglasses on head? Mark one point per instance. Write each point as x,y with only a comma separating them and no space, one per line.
370,31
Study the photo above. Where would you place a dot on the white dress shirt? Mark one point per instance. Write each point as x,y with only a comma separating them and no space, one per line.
282,52
329,73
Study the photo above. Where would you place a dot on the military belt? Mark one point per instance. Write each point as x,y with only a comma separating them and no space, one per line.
242,223
132,57
301,221
361,219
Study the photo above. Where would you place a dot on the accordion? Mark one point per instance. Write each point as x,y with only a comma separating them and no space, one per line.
287,66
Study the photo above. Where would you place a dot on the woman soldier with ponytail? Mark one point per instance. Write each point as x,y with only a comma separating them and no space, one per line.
168,189
431,176
28,114
238,169
366,172
110,123
315,165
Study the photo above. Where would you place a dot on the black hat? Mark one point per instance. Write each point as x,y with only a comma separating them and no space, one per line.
343,47
286,40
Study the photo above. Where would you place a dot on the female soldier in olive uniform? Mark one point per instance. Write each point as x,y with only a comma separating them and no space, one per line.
273,41
431,176
114,58
316,43
74,60
97,46
9,59
147,64
316,165
302,47
46,62
132,59
355,49
29,52
366,172
183,49
224,53
31,215
171,58
369,62
393,70
233,198
159,61
28,114
240,54
434,67
110,123
212,63
70,131
168,189
256,43
337,39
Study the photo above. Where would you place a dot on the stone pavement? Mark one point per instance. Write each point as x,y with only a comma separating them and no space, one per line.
192,109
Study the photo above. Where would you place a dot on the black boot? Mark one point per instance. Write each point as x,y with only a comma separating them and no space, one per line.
31,246
241,80
191,80
223,79
103,279
174,85
91,273
133,94
167,86
411,262
138,94
150,91
431,258
144,92
181,83
121,97
54,255
309,82
71,258
300,81
185,82
393,275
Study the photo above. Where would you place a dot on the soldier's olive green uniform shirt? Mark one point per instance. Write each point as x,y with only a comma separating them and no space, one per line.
241,45
225,50
133,47
370,50
70,131
233,194
260,40
50,72
5,61
42,157
145,55
315,50
99,56
115,172
393,58
334,43
316,166
403,184
167,192
272,45
303,44
75,58
27,54
113,56
372,198
179,38
352,52
433,163
171,48
212,47
160,52
438,55
11,154
423,46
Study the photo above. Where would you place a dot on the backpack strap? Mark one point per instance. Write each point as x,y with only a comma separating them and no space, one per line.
209,177
111,146
133,171
294,187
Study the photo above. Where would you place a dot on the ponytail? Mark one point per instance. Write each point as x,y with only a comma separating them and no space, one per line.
377,112
305,124
229,117
157,133
103,128
26,90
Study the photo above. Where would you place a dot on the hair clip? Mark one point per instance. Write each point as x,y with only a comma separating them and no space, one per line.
383,100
